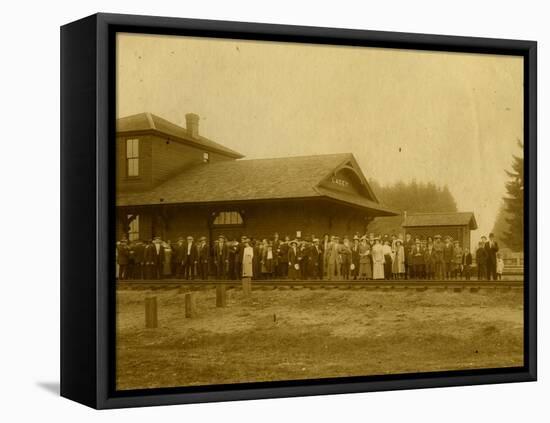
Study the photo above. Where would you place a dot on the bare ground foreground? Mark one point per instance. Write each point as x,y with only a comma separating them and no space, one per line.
303,334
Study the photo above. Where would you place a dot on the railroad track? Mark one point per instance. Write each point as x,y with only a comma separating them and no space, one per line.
420,285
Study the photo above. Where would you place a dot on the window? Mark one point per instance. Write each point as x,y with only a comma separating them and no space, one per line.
228,218
206,157
133,227
132,157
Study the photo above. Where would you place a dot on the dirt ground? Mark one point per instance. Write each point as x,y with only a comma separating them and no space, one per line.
302,334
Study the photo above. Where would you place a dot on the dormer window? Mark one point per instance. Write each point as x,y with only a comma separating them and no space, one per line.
206,157
132,157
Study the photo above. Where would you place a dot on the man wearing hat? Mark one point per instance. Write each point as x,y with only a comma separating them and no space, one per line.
139,259
189,258
202,258
177,257
221,261
158,258
492,249
448,255
457,260
123,254
239,253
481,261
408,245
283,257
293,260
429,259
439,262
316,260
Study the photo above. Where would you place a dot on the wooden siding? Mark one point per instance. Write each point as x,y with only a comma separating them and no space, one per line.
261,220
159,159
462,233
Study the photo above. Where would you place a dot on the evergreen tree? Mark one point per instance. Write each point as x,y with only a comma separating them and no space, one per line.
413,197
513,205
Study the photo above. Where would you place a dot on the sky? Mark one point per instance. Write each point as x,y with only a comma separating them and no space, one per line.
451,118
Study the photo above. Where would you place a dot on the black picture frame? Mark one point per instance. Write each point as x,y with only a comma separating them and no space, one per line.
87,206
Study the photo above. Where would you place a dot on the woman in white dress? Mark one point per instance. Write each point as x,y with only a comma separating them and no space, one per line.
248,260
377,260
398,266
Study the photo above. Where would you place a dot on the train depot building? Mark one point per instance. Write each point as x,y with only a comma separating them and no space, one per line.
172,182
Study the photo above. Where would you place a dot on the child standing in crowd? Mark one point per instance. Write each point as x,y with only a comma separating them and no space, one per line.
500,266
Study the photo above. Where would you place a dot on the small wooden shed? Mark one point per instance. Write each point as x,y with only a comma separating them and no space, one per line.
457,225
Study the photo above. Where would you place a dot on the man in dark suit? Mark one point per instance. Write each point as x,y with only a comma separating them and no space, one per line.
283,258
316,260
189,259
481,261
202,259
220,255
178,256
408,245
448,255
492,248
139,259
158,258
149,260
239,253
123,252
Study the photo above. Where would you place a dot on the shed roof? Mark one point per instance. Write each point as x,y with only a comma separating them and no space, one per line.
148,122
257,179
441,219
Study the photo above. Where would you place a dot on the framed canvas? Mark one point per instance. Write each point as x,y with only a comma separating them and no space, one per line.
257,211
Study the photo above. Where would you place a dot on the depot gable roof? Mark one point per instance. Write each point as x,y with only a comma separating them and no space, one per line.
257,179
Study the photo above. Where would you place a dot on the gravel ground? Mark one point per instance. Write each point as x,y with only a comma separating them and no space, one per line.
303,334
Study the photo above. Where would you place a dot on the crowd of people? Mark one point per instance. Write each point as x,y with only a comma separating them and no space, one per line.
332,258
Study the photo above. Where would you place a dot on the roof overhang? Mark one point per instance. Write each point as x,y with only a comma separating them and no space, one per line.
370,208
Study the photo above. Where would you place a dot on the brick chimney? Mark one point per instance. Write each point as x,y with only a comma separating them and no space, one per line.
192,124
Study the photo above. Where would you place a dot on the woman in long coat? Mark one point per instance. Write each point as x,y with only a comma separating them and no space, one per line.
248,260
377,260
365,269
398,266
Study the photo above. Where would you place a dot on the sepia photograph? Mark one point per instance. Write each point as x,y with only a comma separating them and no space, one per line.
289,211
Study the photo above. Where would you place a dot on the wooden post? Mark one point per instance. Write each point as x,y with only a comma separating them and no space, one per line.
247,287
151,318
190,309
221,295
